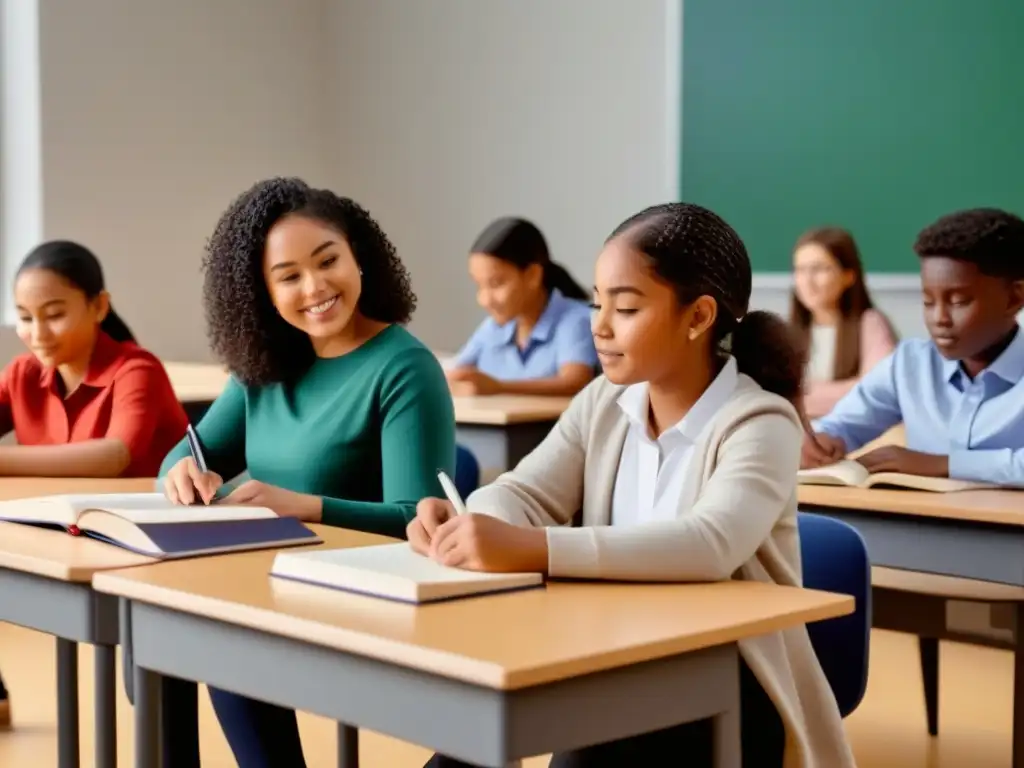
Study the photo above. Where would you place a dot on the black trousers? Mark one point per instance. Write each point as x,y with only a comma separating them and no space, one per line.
690,745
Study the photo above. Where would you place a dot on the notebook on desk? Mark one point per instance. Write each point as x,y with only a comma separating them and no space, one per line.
148,524
853,474
394,572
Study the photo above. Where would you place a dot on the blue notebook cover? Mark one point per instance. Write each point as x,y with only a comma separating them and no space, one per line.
176,540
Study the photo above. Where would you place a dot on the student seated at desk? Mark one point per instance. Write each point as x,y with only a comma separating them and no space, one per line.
537,339
337,412
833,317
960,395
683,460
86,400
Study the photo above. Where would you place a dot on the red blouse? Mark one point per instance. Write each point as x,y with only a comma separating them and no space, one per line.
125,395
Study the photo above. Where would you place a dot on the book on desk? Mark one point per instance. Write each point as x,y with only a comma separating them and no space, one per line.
148,524
393,572
855,475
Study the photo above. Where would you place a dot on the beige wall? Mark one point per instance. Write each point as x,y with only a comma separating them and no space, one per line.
154,115
437,115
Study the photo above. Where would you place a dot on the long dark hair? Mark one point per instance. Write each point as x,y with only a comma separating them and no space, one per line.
854,302
699,254
521,244
77,264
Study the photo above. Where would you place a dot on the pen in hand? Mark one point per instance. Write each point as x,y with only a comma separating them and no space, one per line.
452,493
196,449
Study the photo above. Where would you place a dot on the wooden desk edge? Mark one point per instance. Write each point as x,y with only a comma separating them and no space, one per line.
479,672
912,504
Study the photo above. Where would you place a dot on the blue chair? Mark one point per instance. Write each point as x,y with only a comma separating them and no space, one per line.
835,559
467,471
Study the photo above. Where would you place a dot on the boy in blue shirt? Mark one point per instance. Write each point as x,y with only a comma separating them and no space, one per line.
960,395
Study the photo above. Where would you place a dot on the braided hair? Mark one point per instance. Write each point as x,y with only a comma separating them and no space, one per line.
245,331
699,254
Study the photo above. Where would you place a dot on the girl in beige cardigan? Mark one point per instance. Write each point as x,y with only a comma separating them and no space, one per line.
682,460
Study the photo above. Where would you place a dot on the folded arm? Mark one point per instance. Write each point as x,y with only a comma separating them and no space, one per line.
739,506
1001,466
870,408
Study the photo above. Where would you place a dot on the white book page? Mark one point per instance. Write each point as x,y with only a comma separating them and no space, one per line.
848,471
393,560
155,508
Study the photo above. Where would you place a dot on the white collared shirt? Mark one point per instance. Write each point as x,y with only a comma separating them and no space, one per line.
652,471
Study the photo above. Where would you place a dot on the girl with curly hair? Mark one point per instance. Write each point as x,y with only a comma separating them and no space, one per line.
683,459
338,414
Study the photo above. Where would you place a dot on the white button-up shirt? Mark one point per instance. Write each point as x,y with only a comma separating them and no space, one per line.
651,471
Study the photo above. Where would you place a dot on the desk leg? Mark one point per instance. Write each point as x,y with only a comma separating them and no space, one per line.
147,718
106,707
348,746
67,703
1017,760
726,725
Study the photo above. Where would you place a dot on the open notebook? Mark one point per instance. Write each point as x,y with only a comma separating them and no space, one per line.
851,473
148,524
393,571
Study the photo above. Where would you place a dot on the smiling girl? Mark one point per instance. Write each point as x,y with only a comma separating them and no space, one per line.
683,459
337,412
834,318
537,339
86,400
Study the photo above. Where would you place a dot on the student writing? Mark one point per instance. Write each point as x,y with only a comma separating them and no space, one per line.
683,460
833,317
537,339
337,412
960,395
86,400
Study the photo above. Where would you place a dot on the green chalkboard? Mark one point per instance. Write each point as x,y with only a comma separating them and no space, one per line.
876,115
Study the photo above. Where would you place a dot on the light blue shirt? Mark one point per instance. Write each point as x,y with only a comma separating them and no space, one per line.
560,337
979,424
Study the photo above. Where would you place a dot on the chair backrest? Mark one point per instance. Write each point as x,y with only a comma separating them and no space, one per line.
467,471
835,559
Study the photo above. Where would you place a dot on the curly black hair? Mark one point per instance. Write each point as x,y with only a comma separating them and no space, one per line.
245,331
989,238
696,252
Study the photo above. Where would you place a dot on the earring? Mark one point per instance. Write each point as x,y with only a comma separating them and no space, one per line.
693,335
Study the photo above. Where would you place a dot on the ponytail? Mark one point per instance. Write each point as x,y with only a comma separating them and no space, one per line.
557,277
115,327
766,351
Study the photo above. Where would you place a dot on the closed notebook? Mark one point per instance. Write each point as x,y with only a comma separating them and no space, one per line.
852,473
395,572
148,524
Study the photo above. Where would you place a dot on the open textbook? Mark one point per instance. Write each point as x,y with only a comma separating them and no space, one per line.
393,571
852,473
149,524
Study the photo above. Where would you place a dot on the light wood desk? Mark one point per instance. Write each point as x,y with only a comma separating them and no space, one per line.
487,679
502,429
45,585
977,535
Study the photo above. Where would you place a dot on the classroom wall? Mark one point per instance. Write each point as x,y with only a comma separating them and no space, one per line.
154,115
452,112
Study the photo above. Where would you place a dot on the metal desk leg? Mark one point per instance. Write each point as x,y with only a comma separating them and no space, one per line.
67,703
1017,759
147,718
348,746
106,707
728,752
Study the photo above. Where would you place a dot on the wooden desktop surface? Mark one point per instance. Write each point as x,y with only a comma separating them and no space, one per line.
55,554
201,382
1003,507
505,641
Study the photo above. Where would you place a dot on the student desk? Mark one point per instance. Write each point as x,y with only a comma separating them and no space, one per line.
976,535
501,429
488,679
197,385
45,580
